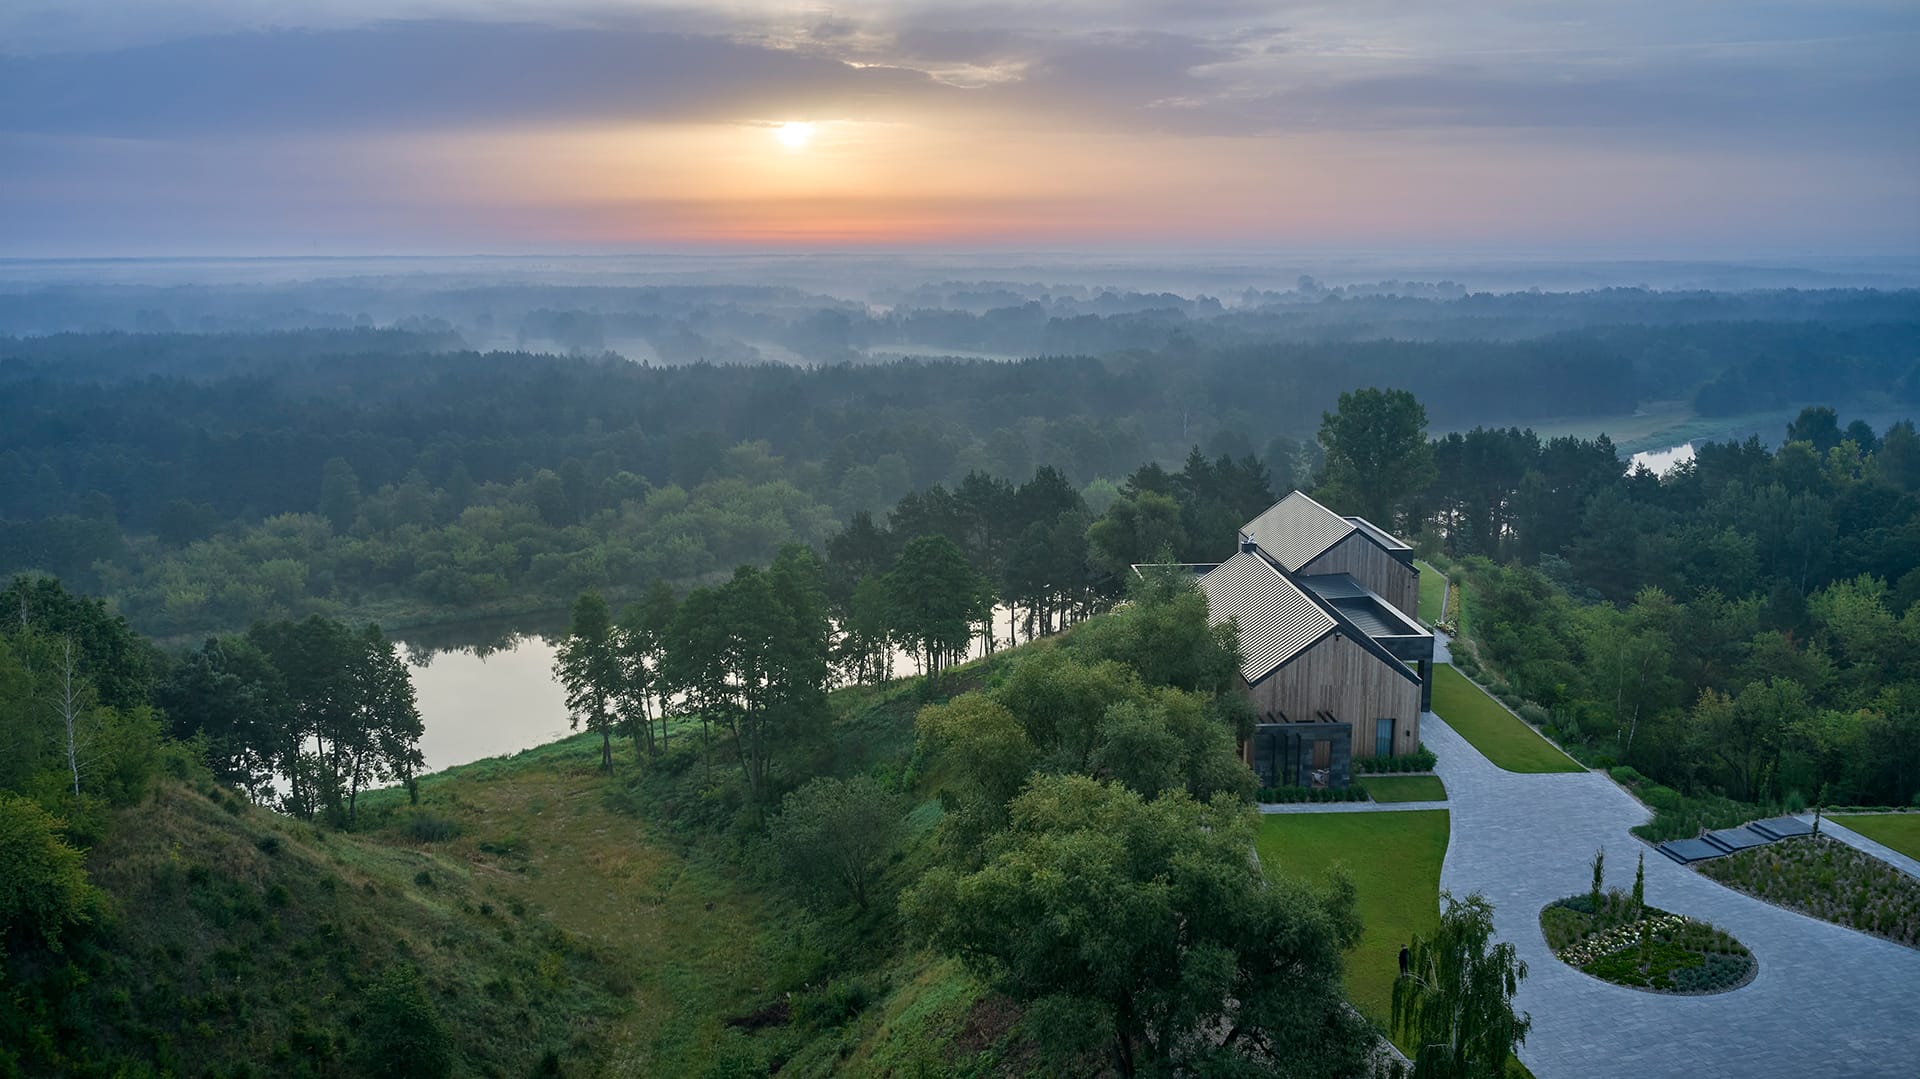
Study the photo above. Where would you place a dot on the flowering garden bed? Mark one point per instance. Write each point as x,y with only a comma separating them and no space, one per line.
1828,880
1644,947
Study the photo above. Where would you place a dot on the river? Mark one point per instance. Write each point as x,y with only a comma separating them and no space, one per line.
1660,461
486,689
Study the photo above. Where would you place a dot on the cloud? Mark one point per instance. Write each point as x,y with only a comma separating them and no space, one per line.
428,75
1206,69
357,112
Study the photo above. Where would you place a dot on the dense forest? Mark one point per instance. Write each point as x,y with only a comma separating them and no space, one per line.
208,480
1744,625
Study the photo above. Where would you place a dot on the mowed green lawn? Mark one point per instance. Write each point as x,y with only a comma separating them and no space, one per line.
1405,788
1433,587
1901,831
1497,733
1394,860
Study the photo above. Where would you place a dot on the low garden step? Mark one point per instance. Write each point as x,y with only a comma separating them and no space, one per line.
1688,851
1782,827
1733,839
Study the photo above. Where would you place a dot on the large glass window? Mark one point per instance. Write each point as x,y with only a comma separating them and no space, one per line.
1383,737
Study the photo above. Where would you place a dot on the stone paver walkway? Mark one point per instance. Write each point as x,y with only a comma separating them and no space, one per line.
1827,1001
1830,827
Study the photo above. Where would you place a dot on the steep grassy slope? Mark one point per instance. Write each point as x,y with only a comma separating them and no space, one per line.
548,830
240,942
559,921
658,869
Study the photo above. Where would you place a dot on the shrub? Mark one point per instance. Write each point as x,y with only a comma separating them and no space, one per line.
834,836
1421,759
401,1033
1534,714
432,828
43,882
1283,795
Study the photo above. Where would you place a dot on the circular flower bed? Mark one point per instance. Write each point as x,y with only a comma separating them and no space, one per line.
1644,947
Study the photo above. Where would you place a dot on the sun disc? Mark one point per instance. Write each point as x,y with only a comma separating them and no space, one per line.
794,134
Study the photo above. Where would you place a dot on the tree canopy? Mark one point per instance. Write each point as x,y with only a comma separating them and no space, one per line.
1143,927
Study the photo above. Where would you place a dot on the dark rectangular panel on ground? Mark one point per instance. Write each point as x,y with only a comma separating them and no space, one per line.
1690,850
1782,827
1733,839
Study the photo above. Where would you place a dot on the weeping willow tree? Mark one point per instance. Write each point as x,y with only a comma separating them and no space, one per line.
1454,1005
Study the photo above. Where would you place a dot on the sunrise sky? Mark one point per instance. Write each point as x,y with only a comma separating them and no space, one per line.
1650,127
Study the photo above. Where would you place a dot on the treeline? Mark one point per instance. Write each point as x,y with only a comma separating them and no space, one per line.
303,716
206,482
764,646
679,324
1835,502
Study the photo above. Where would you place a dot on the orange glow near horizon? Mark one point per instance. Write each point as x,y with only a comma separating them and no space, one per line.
831,183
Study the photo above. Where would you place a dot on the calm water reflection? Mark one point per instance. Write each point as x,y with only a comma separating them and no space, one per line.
486,689
1659,461
486,700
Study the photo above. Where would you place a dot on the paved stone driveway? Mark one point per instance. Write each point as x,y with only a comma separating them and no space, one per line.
1827,1001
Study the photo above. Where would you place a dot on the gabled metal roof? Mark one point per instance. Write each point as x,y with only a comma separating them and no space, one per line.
1296,530
1277,620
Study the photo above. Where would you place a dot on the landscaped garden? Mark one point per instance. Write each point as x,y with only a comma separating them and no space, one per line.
1616,937
1620,941
1406,788
1504,738
1901,831
1394,862
1828,880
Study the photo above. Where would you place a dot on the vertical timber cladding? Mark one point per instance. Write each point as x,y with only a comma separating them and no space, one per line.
1396,582
1338,675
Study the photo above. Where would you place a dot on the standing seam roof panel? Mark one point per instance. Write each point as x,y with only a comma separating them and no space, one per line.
1296,530
1277,620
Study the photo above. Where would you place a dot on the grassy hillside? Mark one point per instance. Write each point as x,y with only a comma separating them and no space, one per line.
547,918
659,872
241,943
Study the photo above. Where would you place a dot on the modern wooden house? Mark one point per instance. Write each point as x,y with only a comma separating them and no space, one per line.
1333,656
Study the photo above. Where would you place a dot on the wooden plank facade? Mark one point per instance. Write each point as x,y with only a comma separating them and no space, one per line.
1395,581
1339,676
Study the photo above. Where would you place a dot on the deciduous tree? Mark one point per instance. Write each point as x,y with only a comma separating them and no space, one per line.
1455,1003
1142,928
589,667
1377,452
